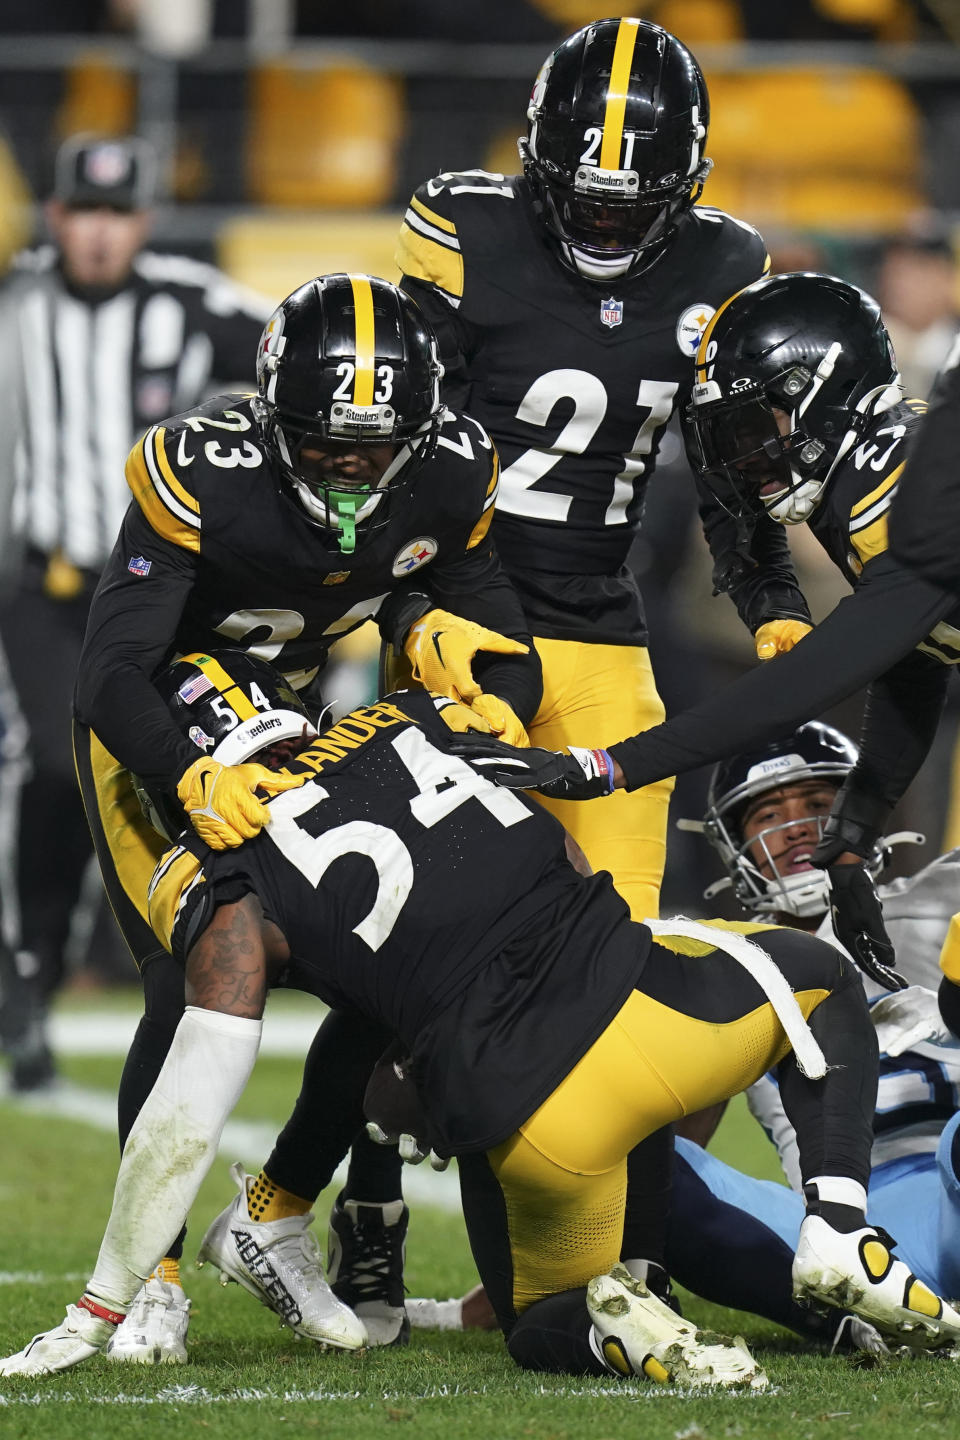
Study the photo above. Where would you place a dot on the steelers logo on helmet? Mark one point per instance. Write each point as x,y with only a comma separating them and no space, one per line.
348,400
614,150
233,706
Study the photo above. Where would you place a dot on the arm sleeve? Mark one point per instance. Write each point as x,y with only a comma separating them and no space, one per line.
862,638
758,574
925,516
130,631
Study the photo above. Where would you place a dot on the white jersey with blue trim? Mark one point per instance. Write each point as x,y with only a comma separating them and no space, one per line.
918,1091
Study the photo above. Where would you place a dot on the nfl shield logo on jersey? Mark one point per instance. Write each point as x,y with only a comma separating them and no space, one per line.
611,312
411,557
137,565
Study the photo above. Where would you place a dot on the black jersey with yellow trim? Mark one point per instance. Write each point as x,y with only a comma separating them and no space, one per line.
852,519
412,889
575,381
213,552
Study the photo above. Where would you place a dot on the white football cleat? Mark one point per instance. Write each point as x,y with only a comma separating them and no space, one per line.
857,1272
637,1334
155,1329
79,1336
279,1262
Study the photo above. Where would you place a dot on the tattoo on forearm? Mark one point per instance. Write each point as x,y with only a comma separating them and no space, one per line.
226,970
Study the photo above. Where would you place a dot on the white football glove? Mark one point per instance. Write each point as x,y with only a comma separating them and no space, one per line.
907,1018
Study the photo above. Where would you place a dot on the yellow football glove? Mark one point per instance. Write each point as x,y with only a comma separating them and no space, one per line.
222,803
501,720
440,647
776,637
462,718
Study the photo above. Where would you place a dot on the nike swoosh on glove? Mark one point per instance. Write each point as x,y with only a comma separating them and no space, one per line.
857,919
441,646
776,637
222,803
910,1017
580,775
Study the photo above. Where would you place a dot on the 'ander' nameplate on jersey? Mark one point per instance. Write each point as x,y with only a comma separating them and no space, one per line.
419,552
611,312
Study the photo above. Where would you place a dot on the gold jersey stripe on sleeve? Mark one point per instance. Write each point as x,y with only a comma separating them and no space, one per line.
871,540
617,93
432,216
874,495
166,470
423,258
365,339
226,686
483,524
165,512
173,879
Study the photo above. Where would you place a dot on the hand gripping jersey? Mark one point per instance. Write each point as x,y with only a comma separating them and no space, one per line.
412,889
919,1091
575,382
212,551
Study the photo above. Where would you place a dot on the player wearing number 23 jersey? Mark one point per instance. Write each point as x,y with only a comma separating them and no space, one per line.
569,302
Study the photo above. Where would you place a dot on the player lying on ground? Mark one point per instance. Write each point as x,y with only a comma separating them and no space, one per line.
548,1034
799,415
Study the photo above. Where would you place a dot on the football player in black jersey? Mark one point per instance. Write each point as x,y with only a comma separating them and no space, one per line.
569,301
798,414
925,524
344,489
547,1033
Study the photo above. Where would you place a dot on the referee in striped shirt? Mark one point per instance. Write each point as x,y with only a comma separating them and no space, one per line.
110,337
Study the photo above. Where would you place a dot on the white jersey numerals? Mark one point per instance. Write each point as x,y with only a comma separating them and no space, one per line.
589,396
445,783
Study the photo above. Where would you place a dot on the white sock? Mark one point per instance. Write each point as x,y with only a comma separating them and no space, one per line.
172,1146
838,1190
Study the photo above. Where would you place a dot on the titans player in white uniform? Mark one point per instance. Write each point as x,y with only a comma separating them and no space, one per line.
765,817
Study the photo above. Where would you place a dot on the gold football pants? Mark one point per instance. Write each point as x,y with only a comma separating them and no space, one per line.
592,696
545,1209
128,848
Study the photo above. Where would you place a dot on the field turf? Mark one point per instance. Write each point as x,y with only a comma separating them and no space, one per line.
248,1376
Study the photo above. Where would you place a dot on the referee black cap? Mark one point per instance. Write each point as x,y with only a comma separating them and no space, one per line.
92,171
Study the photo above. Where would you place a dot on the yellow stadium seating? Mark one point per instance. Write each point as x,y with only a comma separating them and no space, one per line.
275,253
324,137
826,149
99,98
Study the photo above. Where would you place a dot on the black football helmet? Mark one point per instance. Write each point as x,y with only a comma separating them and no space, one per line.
231,706
613,154
347,358
814,751
815,348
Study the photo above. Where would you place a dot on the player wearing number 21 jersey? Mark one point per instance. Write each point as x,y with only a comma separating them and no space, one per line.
569,302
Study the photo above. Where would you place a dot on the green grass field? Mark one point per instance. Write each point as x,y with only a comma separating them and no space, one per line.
56,1182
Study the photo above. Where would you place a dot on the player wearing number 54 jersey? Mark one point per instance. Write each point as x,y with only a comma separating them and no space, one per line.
569,302
279,522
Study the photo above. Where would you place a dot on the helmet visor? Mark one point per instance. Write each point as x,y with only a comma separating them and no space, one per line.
607,227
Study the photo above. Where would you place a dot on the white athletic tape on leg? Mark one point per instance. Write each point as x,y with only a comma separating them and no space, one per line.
761,967
172,1146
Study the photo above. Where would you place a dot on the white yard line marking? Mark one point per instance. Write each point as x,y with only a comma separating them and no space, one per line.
248,1140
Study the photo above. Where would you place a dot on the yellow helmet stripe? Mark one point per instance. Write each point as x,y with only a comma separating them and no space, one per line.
617,92
366,347
701,361
227,687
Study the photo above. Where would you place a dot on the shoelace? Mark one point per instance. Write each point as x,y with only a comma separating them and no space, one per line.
301,1253
370,1264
